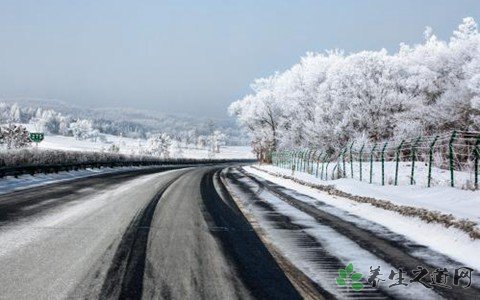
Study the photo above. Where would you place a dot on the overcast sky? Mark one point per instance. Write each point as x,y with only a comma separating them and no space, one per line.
191,56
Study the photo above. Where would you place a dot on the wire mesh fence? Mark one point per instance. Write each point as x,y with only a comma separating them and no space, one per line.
450,159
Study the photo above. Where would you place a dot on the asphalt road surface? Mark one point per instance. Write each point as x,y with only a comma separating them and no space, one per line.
176,234
167,235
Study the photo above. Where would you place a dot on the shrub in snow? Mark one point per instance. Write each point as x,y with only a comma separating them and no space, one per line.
34,156
81,129
14,136
114,149
159,145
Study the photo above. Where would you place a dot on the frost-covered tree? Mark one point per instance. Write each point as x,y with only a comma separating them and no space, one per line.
260,113
64,126
217,139
328,100
15,113
14,136
49,121
202,142
81,129
159,145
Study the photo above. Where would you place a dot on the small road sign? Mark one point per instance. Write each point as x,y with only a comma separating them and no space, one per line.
36,137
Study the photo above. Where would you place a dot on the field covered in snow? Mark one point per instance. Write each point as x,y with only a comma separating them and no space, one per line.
134,146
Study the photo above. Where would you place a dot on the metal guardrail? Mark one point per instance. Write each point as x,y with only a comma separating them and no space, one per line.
55,168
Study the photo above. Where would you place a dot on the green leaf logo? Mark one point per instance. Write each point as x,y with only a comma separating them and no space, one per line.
349,275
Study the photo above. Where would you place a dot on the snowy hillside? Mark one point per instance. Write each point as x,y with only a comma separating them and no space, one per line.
61,118
134,146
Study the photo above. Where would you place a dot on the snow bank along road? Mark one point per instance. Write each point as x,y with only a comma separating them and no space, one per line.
179,234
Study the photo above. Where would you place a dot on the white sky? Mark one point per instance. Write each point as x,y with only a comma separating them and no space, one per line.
191,57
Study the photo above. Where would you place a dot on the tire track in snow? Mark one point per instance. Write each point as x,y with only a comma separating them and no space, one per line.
324,264
125,275
389,251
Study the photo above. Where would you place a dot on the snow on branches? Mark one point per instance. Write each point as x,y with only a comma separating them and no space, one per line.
159,145
14,136
328,99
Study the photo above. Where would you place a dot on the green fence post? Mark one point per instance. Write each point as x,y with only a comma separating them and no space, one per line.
477,156
299,160
351,159
323,164
334,168
383,163
397,160
452,163
414,156
360,160
297,165
342,153
430,160
371,161
293,161
304,159
314,159
294,165
326,169
337,166
305,162
307,159
318,163
310,162
288,155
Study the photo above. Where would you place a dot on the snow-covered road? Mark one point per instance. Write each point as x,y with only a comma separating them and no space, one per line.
165,235
320,239
198,233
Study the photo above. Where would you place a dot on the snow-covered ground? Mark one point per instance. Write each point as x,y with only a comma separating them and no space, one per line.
439,177
460,203
132,146
448,241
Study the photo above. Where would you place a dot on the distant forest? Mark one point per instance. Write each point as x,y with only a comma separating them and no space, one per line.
60,118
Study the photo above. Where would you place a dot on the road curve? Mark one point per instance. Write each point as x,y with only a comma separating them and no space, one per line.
167,235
